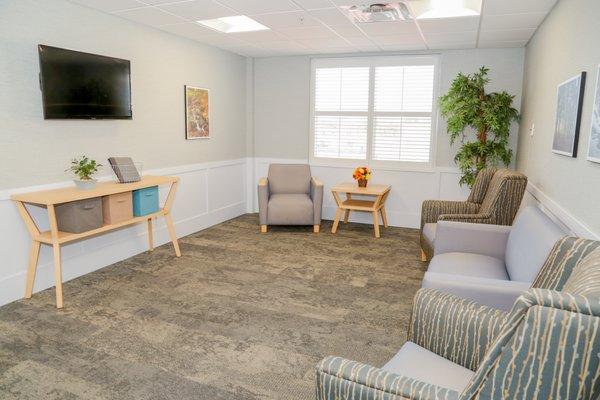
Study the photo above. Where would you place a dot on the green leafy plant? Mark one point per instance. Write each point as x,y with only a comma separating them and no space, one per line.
84,168
467,105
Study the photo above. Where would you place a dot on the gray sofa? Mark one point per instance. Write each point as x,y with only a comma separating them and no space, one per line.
491,264
290,196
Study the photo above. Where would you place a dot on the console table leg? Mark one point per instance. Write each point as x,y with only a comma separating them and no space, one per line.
171,229
58,275
150,236
34,255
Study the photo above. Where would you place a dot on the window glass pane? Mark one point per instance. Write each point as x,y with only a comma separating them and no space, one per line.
388,88
404,88
342,89
340,137
406,139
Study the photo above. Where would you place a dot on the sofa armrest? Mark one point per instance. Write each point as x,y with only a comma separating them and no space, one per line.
263,200
489,240
457,329
432,209
495,293
316,194
341,379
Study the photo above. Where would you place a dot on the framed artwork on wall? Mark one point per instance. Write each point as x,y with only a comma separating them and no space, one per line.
197,113
568,116
594,145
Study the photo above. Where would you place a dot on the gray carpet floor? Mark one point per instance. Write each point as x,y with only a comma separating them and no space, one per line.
239,316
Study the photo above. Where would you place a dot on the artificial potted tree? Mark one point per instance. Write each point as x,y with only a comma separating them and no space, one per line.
85,169
467,105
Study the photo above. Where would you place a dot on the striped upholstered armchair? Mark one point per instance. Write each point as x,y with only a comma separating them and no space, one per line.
495,199
546,347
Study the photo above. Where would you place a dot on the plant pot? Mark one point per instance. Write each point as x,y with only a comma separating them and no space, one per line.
85,184
362,183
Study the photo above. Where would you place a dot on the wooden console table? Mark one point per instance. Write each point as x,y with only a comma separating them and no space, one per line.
373,206
55,238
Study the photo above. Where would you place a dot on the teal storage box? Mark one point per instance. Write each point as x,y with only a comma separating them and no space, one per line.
145,201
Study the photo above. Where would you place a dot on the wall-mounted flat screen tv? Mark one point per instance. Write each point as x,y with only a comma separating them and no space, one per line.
78,85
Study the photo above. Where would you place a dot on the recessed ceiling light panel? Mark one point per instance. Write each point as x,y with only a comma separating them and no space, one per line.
446,8
377,12
238,23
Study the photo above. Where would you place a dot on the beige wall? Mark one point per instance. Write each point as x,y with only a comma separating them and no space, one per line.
282,91
37,151
564,45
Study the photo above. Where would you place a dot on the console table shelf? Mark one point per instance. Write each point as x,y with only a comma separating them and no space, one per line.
56,238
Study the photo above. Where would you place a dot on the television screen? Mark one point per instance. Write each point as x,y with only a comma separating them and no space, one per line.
84,86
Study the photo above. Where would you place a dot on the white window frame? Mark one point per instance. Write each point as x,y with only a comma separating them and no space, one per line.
372,62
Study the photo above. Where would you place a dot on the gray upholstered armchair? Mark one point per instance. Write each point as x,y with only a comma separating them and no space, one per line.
546,347
494,199
290,196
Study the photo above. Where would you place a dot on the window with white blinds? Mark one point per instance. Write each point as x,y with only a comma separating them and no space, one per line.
379,110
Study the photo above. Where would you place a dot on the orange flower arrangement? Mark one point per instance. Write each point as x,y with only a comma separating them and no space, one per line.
362,175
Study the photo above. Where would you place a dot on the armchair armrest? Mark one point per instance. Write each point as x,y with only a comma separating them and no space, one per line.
316,194
341,379
471,218
263,200
457,329
489,240
432,209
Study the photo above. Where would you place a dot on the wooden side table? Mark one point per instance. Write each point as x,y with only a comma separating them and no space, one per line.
56,238
380,192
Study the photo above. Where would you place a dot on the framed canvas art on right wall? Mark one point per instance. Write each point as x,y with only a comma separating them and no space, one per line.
568,115
594,145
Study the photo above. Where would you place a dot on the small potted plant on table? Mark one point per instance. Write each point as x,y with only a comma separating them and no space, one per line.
84,168
362,175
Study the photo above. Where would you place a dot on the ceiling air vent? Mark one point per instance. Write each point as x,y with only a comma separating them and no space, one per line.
378,12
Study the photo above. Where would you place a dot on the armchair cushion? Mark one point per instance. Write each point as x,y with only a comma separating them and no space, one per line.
484,239
290,209
289,179
469,264
342,379
416,362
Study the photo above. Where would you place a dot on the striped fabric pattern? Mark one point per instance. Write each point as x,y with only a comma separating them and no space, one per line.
563,258
504,190
457,329
585,278
548,349
338,379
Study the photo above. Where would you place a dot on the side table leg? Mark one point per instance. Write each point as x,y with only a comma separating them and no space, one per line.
376,224
34,255
58,275
384,217
150,236
173,236
336,221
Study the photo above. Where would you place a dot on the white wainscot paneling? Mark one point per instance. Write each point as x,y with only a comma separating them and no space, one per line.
409,189
207,194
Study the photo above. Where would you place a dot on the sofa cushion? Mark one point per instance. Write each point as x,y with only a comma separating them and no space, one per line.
429,231
468,264
416,362
290,209
289,179
532,237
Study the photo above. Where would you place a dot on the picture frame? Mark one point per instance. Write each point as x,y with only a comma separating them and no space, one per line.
197,112
569,102
594,142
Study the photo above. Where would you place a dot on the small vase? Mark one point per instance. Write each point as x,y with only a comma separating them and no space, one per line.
85,184
362,183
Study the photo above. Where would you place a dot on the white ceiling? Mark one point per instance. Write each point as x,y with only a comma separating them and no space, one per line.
319,26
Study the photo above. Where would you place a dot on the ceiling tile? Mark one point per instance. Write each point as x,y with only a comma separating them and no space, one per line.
369,48
494,7
441,25
110,5
347,30
451,37
400,40
313,4
496,44
286,47
198,9
155,2
452,46
295,19
308,32
512,21
359,40
259,36
389,28
150,16
253,7
248,50
331,16
188,29
404,47
506,36
334,42
221,39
